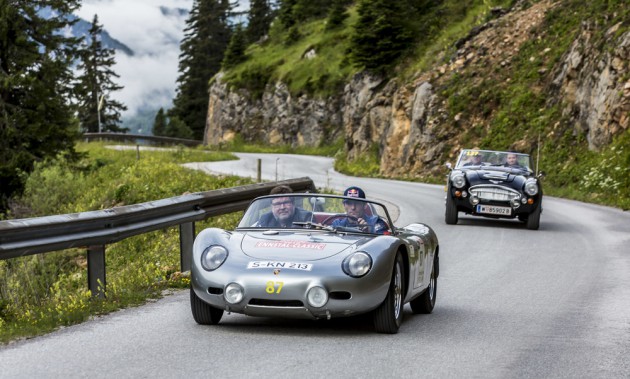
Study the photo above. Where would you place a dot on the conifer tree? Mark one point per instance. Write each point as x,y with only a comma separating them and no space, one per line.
206,37
285,13
259,19
235,52
95,85
160,123
337,14
36,115
380,34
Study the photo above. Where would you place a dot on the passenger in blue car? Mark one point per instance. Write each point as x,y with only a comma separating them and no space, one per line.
356,214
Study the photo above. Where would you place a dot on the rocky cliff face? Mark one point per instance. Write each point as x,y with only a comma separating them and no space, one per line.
410,122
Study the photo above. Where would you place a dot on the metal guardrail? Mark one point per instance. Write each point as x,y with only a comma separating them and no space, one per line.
134,138
95,229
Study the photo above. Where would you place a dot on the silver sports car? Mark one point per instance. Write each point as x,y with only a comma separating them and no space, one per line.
315,256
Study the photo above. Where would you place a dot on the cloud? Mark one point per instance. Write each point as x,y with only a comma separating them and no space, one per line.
149,76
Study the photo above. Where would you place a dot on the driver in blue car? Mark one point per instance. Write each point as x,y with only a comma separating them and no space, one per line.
356,212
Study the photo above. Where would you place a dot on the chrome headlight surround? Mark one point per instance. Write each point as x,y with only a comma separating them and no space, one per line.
357,264
213,257
458,179
531,187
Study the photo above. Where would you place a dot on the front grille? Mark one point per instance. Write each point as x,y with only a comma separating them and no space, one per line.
494,193
276,303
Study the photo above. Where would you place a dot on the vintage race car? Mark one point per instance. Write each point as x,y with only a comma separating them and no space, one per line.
494,184
326,264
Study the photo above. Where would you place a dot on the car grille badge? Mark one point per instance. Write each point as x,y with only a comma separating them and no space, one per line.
276,271
496,181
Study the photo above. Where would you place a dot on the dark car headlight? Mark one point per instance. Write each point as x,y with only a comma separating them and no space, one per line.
357,264
458,179
531,187
213,257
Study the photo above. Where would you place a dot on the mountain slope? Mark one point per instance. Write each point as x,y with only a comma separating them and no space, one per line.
550,71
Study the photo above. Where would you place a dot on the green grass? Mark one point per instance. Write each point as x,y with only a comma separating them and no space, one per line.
42,292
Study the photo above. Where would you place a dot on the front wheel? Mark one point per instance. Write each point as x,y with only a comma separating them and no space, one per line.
450,215
202,312
533,220
426,302
388,316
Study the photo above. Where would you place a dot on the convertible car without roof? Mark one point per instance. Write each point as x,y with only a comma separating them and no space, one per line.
495,184
315,269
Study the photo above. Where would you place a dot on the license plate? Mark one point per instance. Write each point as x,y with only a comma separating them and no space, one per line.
281,265
494,210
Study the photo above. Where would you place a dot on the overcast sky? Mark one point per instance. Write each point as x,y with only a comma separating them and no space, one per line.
149,77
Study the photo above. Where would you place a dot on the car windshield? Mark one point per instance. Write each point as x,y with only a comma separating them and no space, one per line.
317,211
471,158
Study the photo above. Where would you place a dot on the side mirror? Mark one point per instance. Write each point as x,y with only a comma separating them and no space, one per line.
449,166
541,174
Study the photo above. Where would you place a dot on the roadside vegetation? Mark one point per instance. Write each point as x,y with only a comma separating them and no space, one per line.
43,292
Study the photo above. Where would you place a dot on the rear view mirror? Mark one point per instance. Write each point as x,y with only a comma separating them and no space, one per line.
449,166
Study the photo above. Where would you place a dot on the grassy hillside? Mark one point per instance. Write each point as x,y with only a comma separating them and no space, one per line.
42,292
494,104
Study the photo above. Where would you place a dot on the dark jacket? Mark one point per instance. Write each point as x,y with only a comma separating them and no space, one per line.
269,221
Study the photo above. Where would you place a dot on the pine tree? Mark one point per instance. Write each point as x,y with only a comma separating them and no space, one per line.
206,37
380,35
235,52
309,9
95,85
177,129
337,14
159,125
259,19
285,13
36,115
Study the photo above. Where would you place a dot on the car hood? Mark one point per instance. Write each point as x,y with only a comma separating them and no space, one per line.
303,246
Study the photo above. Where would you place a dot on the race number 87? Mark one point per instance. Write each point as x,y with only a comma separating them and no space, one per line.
274,287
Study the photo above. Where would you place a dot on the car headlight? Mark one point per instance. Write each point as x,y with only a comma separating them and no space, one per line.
233,293
317,297
357,264
531,187
213,257
458,180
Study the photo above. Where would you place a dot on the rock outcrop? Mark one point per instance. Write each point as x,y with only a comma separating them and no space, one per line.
409,122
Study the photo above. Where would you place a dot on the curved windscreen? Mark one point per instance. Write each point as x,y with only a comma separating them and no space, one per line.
315,211
471,158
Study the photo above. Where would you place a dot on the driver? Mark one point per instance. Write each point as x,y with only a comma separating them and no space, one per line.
356,211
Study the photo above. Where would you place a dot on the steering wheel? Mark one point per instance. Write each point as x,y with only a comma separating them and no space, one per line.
352,221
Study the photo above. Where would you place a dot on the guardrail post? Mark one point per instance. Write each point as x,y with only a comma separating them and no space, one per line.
96,270
186,240
259,171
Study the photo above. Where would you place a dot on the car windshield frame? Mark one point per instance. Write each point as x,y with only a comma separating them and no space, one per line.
316,212
493,159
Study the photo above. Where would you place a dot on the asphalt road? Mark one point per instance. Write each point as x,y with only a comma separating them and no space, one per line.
512,303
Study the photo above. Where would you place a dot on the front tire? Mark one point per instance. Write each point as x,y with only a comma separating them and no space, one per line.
450,216
426,301
202,312
388,316
533,221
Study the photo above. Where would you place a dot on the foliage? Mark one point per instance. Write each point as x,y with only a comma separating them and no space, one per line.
381,34
259,19
97,111
160,123
206,37
42,292
235,52
337,14
36,116
367,164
